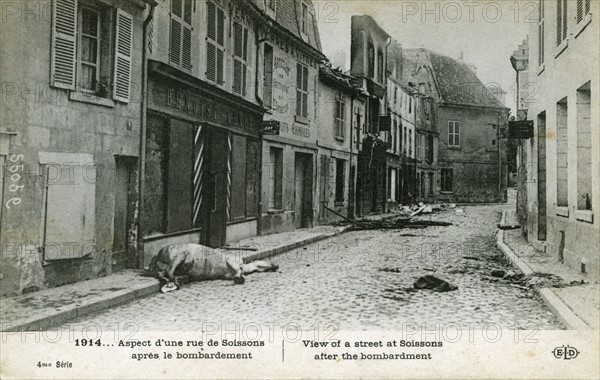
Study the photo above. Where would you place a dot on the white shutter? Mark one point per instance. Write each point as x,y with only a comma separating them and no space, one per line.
64,42
123,47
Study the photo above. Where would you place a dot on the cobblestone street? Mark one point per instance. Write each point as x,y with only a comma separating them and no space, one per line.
359,280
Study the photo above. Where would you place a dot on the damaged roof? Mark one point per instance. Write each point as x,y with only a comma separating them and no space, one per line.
288,14
336,77
458,84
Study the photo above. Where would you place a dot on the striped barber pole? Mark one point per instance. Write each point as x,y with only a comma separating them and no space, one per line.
198,173
229,154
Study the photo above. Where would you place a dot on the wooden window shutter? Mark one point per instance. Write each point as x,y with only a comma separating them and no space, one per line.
186,53
123,48
64,42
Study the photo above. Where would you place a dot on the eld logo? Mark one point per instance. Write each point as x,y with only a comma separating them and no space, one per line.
566,353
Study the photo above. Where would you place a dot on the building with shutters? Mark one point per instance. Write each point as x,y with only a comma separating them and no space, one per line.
560,165
289,50
470,119
70,141
368,56
202,153
340,103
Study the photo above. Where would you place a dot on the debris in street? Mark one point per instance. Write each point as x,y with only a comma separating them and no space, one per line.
396,224
240,248
434,283
498,273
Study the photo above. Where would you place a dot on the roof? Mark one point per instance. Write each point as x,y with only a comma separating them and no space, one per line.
335,77
457,84
288,15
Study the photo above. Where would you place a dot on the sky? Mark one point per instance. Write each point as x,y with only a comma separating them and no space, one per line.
485,32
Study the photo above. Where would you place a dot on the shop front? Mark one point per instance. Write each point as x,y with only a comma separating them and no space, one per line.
202,163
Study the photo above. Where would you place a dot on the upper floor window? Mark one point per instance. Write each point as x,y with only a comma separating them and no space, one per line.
301,90
371,57
240,58
82,57
395,94
215,43
447,180
561,21
340,125
304,21
454,133
541,17
583,8
180,48
380,66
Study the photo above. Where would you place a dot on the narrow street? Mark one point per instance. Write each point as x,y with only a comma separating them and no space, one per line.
359,280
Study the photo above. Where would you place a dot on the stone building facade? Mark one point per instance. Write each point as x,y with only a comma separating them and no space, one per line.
69,144
563,157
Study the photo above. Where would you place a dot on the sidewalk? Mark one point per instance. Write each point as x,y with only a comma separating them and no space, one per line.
578,306
55,306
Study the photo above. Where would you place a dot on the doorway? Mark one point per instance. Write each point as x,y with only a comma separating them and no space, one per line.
124,255
303,181
541,182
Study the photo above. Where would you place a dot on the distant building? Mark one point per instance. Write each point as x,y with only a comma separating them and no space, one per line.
563,157
472,158
369,66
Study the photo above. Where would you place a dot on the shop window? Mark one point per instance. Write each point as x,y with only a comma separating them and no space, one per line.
447,180
81,54
276,178
454,134
240,58
584,148
301,90
215,43
268,79
180,47
340,183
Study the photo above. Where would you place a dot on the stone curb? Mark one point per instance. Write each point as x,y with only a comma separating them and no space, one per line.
552,301
119,298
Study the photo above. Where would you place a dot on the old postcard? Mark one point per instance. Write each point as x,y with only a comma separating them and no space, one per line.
299,189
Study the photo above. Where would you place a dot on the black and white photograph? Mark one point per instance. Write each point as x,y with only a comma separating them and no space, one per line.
294,189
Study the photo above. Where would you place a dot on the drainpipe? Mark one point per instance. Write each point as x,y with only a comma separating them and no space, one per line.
142,153
350,179
260,137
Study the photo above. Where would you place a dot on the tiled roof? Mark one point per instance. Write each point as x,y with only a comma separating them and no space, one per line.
289,15
336,77
458,84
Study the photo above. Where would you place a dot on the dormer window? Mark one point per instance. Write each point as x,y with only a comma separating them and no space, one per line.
304,21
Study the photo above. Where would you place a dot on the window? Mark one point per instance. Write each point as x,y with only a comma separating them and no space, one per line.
453,133
410,105
180,48
405,140
89,49
419,148
340,125
447,184
304,21
429,149
215,40
70,205
395,94
82,51
244,178
584,148
422,88
371,57
301,90
541,38
340,183
275,178
562,155
240,58
583,8
561,21
268,80
410,143
379,66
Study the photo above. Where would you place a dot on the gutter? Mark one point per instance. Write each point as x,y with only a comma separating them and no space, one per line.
142,154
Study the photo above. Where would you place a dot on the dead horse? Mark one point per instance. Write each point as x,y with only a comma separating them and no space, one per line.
200,263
